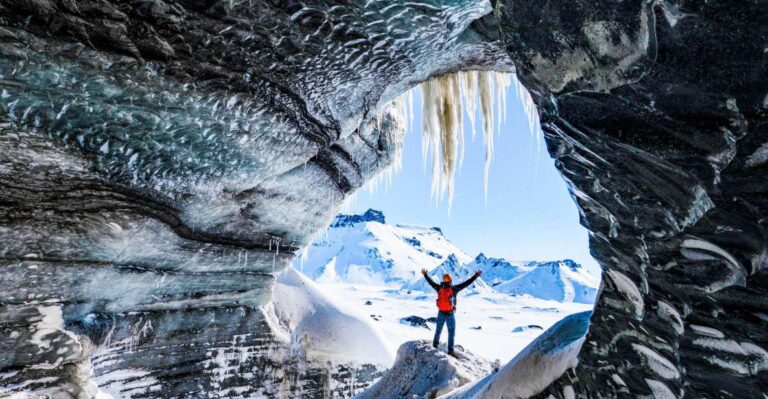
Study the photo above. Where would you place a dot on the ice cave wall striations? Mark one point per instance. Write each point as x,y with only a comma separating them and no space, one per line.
655,114
161,159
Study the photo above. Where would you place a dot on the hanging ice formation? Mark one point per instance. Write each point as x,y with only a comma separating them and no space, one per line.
444,100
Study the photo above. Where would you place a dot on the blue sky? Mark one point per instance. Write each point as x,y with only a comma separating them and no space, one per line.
529,216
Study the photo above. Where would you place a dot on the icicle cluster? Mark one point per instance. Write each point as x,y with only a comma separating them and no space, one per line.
444,100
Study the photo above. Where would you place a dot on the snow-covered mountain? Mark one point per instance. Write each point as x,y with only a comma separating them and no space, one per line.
564,280
364,249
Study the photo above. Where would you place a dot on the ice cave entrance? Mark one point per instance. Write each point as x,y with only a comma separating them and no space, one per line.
491,201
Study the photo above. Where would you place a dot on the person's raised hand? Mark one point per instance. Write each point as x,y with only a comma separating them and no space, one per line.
424,271
478,273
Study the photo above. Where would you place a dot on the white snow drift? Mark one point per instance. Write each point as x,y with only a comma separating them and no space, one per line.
323,327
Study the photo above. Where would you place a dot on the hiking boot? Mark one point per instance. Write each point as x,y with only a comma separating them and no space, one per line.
452,353
434,345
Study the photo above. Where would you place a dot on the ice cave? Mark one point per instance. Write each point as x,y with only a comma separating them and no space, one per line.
162,161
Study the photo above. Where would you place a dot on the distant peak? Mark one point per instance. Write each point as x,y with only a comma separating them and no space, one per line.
557,263
371,215
480,257
571,264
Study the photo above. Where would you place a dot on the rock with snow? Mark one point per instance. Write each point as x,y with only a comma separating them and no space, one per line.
526,328
421,371
415,321
324,328
371,215
535,367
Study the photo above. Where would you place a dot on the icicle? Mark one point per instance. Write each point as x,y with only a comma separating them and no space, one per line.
442,131
304,257
469,96
444,99
529,107
502,83
397,109
485,90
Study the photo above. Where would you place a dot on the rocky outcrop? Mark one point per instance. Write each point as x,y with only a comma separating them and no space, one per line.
422,372
160,159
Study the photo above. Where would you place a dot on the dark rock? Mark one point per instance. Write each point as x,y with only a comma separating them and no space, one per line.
413,241
368,303
658,132
415,321
526,328
370,215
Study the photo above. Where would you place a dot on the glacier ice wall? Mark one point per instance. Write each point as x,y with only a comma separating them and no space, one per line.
655,114
162,159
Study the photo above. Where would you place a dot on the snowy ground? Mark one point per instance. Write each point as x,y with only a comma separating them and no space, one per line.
496,314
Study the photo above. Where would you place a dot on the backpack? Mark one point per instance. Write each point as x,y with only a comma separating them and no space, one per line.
446,302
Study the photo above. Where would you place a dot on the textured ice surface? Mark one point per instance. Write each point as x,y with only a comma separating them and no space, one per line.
533,369
156,171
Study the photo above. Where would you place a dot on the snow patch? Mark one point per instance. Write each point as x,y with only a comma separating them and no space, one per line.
627,287
659,389
324,328
658,363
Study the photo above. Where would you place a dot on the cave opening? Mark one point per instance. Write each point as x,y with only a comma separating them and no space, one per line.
472,187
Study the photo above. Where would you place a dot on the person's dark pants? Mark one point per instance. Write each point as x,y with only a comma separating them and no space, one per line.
445,318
